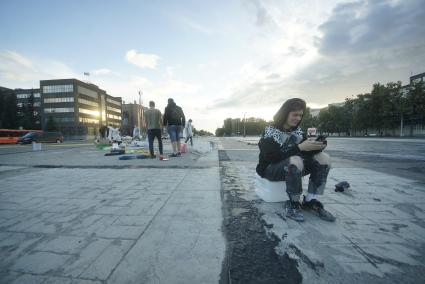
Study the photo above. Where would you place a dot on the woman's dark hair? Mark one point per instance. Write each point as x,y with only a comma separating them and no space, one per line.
281,116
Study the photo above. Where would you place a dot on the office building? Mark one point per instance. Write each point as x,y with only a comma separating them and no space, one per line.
77,108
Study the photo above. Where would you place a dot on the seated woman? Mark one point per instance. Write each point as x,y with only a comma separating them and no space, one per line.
286,155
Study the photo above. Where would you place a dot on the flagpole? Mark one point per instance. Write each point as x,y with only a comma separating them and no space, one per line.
88,76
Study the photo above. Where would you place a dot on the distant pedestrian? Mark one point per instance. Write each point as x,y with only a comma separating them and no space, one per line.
189,132
174,119
287,155
153,122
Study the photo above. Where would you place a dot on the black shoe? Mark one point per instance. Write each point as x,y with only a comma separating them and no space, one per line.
317,207
179,154
173,155
293,210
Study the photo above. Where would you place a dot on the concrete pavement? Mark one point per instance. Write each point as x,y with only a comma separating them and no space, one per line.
103,225
378,236
72,215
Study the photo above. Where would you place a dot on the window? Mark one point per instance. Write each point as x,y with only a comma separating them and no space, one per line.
87,92
37,104
116,124
61,119
114,116
63,109
19,104
88,120
118,103
58,100
87,102
36,95
58,89
113,109
22,96
89,111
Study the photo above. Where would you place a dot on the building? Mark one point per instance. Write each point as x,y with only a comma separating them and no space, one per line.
27,99
77,108
132,116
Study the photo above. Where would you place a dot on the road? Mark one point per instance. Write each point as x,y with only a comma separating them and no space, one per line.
399,157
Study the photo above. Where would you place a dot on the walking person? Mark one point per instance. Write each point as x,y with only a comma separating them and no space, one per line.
174,119
189,132
287,155
153,122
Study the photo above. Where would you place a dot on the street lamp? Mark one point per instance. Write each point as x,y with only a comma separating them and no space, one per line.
244,121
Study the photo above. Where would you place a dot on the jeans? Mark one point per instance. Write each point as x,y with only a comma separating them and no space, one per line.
174,132
291,174
152,134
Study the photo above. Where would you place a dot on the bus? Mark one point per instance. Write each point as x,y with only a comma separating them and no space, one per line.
10,136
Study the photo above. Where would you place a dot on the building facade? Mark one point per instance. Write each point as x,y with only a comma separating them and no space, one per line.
29,100
77,108
133,116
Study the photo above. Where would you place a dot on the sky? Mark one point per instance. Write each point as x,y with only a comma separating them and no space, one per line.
217,59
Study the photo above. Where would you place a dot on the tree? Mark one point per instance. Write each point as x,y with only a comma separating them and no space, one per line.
308,120
228,127
51,124
8,111
219,132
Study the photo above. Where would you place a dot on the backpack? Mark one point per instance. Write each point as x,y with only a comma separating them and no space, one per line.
176,113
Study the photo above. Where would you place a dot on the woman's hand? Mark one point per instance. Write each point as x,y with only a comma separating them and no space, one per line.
311,145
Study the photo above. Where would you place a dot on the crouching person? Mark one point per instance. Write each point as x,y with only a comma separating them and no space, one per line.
287,155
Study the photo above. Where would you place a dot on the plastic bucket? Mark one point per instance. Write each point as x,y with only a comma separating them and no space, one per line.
36,146
270,191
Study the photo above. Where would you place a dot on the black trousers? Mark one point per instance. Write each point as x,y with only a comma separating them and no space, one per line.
191,140
285,171
152,134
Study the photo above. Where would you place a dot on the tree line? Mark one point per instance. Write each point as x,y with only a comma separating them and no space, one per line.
383,111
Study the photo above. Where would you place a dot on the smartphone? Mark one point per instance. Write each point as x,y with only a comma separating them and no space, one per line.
321,138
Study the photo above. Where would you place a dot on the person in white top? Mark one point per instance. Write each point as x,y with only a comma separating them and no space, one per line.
189,132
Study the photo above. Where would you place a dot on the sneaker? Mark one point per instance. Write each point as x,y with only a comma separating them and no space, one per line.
293,211
173,155
317,207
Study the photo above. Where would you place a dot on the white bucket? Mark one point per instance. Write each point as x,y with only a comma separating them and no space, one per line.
36,146
270,191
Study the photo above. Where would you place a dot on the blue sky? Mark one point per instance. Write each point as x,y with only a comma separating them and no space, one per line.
217,59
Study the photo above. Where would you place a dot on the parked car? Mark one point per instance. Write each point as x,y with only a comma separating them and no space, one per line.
42,137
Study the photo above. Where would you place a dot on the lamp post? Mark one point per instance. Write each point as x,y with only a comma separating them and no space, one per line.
244,128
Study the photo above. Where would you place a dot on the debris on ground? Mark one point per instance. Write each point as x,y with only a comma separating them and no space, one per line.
342,186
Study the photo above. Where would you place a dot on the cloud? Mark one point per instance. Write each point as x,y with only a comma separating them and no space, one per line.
366,42
357,44
263,18
101,72
142,60
16,58
366,26
197,26
16,70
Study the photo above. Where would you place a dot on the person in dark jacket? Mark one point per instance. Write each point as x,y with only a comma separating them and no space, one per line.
287,155
174,119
